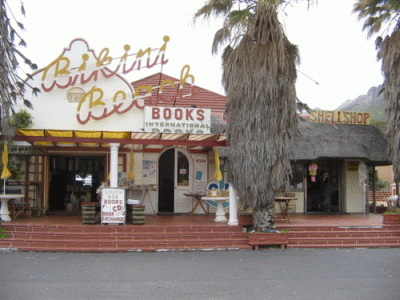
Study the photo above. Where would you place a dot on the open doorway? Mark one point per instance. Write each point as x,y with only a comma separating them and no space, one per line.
323,186
74,179
166,182
174,181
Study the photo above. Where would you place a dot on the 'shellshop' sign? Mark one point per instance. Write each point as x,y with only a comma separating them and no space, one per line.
340,117
177,120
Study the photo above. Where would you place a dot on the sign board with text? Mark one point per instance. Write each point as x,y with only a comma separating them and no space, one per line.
177,120
340,117
112,206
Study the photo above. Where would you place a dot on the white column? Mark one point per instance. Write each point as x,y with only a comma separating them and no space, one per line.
114,164
233,220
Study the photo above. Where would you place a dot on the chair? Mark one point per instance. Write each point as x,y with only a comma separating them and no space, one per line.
291,207
18,209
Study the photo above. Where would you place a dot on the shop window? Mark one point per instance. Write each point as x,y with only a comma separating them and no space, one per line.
183,169
296,182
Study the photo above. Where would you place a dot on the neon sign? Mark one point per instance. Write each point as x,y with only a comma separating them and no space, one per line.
92,102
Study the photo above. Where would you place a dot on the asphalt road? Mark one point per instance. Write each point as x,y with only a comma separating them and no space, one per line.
266,274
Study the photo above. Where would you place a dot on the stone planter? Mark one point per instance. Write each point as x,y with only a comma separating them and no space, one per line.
257,239
391,219
245,219
135,214
90,213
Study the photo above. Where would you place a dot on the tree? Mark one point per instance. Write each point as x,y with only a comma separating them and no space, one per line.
382,18
259,75
12,86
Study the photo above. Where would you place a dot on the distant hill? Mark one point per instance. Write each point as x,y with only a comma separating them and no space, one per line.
373,102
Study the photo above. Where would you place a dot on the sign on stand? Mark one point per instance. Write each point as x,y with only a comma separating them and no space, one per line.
112,206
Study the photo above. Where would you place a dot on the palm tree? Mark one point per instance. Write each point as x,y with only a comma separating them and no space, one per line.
12,86
382,18
259,75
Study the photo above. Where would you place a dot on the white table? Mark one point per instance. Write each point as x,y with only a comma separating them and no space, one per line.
220,213
4,212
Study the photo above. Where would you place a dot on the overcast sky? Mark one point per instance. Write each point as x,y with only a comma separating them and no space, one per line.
333,49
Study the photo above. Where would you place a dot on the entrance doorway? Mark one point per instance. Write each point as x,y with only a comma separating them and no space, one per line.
173,181
74,179
323,186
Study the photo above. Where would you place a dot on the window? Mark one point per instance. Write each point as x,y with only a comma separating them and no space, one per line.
296,182
183,170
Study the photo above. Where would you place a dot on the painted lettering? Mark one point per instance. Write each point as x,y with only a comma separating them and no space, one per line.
340,117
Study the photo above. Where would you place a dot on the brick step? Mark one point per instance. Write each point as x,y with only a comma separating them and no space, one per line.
98,238
344,241
29,245
344,234
339,228
339,245
123,237
126,229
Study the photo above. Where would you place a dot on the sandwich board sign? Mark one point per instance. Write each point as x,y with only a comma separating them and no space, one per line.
113,206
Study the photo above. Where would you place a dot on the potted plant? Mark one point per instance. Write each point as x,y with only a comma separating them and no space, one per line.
269,237
391,218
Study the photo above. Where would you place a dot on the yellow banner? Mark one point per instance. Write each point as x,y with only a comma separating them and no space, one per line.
340,117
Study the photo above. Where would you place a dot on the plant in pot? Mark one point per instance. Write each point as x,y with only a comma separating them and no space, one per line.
259,238
392,217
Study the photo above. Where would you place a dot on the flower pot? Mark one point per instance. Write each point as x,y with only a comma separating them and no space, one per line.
245,219
257,239
391,219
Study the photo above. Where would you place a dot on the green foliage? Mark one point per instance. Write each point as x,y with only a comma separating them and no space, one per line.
13,87
2,234
14,166
379,184
22,119
397,211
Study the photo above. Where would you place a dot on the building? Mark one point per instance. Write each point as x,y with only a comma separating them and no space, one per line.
154,137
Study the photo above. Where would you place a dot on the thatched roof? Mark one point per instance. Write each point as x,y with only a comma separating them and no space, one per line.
317,140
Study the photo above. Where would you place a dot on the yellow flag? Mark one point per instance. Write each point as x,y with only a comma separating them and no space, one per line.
217,174
4,159
131,174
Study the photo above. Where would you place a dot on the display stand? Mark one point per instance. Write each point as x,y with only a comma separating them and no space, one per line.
145,189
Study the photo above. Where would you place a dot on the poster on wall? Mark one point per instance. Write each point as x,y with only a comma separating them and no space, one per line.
112,206
149,169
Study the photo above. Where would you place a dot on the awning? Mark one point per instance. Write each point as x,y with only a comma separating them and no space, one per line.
65,139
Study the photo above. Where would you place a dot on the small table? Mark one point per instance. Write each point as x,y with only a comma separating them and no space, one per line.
220,213
197,196
4,212
284,206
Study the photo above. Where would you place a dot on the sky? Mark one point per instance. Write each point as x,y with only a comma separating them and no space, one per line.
333,49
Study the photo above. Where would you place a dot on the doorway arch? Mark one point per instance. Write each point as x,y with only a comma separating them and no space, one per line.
175,173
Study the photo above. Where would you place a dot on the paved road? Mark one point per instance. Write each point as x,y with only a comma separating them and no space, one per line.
267,274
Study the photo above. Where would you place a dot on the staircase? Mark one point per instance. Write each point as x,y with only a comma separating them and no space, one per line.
343,237
123,238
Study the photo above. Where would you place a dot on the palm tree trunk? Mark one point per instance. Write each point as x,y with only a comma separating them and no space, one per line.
264,217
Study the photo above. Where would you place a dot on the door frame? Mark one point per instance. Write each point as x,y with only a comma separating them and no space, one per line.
176,187
338,191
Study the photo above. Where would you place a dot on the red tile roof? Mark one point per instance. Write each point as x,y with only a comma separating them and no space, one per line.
188,95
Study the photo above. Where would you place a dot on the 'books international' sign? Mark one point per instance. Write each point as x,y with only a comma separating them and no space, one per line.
177,120
112,205
340,117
